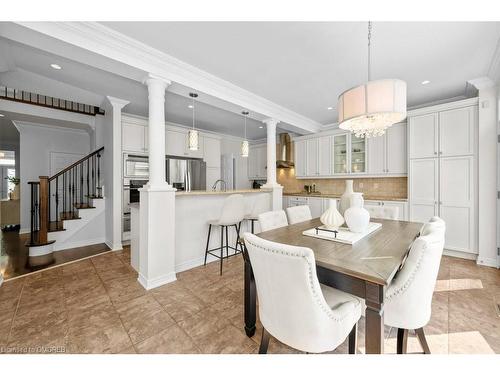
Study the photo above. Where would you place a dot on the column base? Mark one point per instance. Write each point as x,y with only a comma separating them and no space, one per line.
155,283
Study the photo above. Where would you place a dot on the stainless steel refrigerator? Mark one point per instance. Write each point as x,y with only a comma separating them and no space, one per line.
186,173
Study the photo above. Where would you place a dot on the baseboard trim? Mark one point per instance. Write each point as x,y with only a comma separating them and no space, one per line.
459,254
24,231
184,266
490,262
114,247
156,282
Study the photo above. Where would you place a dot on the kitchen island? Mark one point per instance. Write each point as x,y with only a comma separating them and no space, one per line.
193,210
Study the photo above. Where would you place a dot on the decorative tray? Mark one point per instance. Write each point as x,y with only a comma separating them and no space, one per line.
342,235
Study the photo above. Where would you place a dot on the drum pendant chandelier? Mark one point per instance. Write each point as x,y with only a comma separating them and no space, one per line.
369,109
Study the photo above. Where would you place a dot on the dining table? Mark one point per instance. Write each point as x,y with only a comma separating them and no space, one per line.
364,269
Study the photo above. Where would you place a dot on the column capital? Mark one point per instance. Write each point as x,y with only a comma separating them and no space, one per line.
270,121
117,102
153,78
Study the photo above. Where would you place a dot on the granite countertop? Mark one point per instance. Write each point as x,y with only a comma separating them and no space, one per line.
337,196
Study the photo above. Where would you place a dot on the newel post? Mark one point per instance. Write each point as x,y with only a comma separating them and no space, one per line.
43,209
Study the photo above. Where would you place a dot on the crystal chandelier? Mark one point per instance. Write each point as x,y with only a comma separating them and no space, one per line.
369,109
193,135
244,143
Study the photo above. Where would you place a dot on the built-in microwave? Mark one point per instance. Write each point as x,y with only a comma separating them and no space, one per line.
135,166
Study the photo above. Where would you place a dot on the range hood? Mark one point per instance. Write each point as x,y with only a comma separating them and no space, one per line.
284,157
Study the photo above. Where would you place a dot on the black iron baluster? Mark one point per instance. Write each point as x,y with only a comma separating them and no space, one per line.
99,189
88,183
57,201
48,208
32,213
93,177
81,183
64,193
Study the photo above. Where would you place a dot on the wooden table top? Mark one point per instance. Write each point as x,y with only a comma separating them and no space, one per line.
375,258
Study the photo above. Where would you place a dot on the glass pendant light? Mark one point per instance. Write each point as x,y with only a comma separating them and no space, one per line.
193,134
369,109
244,143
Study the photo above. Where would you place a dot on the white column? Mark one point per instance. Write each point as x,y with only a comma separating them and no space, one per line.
156,94
272,183
112,167
157,200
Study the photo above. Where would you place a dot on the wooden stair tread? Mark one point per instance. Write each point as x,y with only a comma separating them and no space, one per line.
35,241
68,216
83,206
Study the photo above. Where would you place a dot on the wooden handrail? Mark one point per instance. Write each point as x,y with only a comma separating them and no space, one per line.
76,163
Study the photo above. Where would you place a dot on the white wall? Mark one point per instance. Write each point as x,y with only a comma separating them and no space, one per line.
487,176
230,145
36,143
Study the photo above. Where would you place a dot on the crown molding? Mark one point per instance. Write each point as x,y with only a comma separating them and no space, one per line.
482,83
104,41
20,124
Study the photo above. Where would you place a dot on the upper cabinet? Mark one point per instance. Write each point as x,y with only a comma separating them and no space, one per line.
329,155
134,137
257,162
212,151
387,153
444,133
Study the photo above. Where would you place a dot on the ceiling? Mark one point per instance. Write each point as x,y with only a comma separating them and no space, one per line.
304,66
29,69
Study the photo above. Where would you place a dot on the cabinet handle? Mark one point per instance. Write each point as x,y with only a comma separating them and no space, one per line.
435,153
440,152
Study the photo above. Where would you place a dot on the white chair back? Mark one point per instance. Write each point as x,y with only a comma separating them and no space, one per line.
383,212
272,220
233,210
292,307
409,296
298,214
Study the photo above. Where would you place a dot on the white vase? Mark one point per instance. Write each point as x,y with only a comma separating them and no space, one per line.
345,199
331,218
357,217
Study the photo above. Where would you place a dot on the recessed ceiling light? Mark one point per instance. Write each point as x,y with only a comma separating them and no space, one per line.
56,66
330,108
190,106
2,115
425,82
261,127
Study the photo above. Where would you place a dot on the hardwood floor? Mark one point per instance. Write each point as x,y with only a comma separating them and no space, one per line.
97,306
14,255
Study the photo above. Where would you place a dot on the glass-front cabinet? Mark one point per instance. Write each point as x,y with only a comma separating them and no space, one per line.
340,154
358,155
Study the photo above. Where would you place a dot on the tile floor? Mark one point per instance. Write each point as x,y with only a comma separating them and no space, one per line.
97,306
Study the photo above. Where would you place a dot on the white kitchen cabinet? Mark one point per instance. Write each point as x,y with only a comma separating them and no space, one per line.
401,206
456,202
423,189
257,162
339,154
315,205
175,143
357,154
284,202
212,152
387,154
456,131
325,151
300,158
134,137
423,136
312,167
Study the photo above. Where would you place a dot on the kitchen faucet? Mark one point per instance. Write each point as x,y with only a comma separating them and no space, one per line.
223,184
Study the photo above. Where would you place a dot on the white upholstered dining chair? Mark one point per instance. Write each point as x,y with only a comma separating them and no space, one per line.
272,220
409,296
293,306
383,212
298,214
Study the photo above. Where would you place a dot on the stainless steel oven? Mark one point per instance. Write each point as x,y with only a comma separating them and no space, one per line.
135,166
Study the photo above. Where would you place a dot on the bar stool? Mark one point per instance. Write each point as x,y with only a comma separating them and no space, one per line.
233,212
259,206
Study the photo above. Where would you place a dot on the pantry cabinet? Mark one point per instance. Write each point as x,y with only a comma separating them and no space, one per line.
257,162
442,174
134,137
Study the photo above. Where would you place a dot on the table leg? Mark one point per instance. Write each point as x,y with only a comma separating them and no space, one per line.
374,332
250,297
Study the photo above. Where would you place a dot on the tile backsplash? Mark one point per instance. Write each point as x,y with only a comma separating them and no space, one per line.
390,187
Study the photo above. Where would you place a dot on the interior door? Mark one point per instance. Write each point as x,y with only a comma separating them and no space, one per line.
424,193
396,149
423,136
456,204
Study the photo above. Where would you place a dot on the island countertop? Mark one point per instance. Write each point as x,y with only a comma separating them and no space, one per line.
218,192
337,196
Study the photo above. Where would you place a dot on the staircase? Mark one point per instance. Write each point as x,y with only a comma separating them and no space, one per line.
67,209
